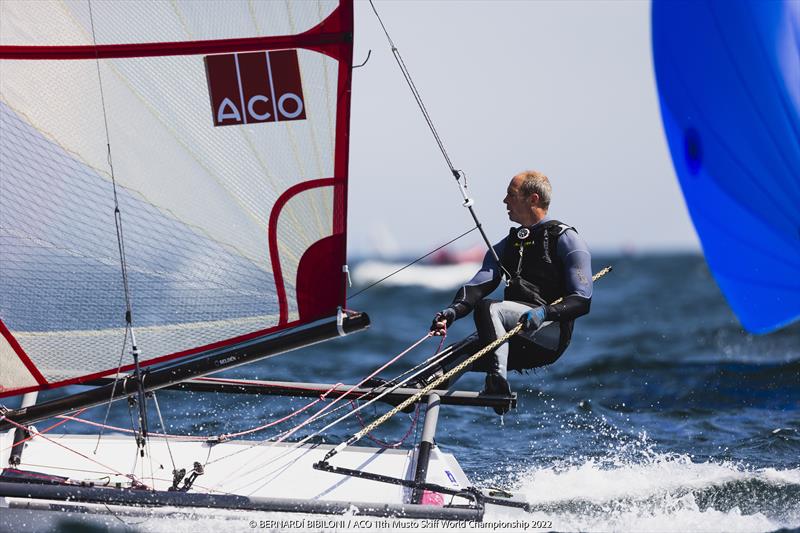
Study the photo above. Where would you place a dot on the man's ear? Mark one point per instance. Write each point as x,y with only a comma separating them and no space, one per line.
535,200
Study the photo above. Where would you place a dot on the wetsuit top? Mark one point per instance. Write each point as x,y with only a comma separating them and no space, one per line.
573,254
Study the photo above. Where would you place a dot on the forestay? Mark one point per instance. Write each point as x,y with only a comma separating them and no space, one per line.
228,124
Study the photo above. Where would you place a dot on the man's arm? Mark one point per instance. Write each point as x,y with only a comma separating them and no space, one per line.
481,285
577,260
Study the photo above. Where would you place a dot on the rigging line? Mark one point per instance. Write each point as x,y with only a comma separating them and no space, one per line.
447,375
382,443
319,415
391,388
117,213
457,174
392,385
113,390
135,431
228,436
373,374
407,75
297,445
413,262
411,428
436,358
149,448
189,438
164,429
120,244
48,439
341,419
31,434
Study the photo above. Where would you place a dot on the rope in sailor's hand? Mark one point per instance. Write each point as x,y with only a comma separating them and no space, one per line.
441,379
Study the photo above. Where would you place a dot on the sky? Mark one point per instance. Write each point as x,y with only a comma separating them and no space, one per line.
564,87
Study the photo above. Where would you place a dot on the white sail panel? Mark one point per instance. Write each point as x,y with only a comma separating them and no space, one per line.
208,211
210,178
13,373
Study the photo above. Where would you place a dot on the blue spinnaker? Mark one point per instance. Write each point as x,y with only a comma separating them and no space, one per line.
728,76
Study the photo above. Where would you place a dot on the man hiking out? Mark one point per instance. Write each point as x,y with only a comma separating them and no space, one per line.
543,260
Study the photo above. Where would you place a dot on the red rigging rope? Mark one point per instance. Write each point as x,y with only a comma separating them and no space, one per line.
74,417
45,430
227,436
382,443
76,452
414,421
200,438
295,445
351,389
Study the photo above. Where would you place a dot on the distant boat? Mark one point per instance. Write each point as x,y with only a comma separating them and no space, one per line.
443,276
445,269
448,256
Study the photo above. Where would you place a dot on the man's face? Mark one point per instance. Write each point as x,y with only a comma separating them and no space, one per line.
519,207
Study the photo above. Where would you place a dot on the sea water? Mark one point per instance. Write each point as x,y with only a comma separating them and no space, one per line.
663,414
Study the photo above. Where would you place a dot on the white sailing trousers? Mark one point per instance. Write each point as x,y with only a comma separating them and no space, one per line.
503,315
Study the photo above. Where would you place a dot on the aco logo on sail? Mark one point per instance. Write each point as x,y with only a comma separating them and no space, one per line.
246,88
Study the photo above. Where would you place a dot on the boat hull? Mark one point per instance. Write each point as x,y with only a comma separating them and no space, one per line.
241,475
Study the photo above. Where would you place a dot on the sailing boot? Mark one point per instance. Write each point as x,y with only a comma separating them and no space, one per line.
496,382
497,385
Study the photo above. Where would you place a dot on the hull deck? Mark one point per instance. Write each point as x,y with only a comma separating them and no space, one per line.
241,475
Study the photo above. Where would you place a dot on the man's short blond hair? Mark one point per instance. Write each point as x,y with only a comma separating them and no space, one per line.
534,181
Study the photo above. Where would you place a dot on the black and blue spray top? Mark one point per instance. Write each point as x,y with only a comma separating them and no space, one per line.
544,262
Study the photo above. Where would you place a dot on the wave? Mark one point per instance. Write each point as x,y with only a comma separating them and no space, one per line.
662,492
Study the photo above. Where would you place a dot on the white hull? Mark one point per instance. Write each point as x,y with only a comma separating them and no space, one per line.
236,467
280,475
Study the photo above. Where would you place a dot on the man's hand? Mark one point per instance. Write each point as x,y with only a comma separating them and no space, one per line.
442,320
533,318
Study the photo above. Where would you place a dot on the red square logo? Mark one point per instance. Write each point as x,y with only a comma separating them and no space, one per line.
255,87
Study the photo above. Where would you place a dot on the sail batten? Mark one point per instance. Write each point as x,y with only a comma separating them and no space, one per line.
214,255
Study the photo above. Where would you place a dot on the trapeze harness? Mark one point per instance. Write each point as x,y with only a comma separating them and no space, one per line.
537,278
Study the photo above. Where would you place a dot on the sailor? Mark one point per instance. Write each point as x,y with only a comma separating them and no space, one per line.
543,260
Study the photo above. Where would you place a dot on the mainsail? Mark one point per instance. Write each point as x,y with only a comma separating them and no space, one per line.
729,84
227,122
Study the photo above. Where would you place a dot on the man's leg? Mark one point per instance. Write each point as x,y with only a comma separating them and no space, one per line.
494,319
